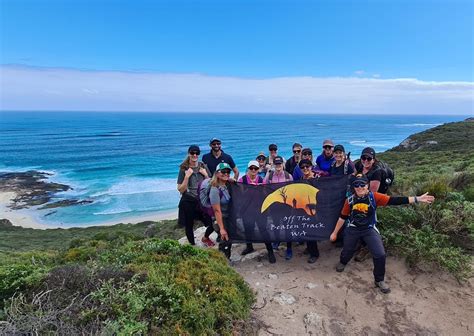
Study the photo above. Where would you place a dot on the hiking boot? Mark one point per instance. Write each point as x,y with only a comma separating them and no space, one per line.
289,254
312,259
247,250
208,242
271,257
361,254
340,267
225,247
275,246
383,286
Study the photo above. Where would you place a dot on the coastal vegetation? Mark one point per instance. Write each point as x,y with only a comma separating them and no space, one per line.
120,280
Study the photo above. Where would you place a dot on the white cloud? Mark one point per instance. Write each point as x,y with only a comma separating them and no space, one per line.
359,72
31,88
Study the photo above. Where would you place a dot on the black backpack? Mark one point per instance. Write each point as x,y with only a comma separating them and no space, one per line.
388,176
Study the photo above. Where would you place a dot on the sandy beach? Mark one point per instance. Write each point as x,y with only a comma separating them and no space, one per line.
26,219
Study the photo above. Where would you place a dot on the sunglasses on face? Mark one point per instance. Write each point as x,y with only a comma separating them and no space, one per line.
253,168
261,158
327,147
305,167
273,150
215,144
359,185
297,151
366,158
225,172
306,153
195,153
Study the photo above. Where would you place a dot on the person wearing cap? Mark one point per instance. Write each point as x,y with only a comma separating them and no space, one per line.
262,169
326,158
273,153
216,156
306,167
279,175
341,165
219,197
251,177
191,173
367,165
292,162
306,154
360,211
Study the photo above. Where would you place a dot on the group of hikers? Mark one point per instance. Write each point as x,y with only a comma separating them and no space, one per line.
355,229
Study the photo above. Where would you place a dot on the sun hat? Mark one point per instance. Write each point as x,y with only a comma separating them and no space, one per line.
328,142
278,160
222,166
253,163
339,148
368,151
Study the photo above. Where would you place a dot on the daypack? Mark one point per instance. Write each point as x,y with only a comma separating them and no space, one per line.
388,175
372,203
204,188
270,176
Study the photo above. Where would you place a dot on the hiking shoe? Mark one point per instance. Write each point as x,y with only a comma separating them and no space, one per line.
247,250
340,267
312,260
271,258
289,254
275,246
383,286
225,247
208,242
361,254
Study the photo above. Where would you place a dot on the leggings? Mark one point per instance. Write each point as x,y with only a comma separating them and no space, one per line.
188,212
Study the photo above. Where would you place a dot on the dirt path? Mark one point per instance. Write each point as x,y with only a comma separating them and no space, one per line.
297,298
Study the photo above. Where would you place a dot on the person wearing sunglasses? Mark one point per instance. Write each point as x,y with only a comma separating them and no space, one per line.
279,175
219,197
273,153
360,211
292,162
252,177
341,165
306,154
262,169
367,165
191,173
306,167
326,158
216,156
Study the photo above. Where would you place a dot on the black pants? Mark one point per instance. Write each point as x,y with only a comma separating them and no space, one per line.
188,212
374,243
312,248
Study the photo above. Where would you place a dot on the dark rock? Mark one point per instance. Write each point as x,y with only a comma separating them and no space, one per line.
5,223
64,203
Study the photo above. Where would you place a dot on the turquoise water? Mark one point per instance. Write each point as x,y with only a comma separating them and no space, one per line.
127,163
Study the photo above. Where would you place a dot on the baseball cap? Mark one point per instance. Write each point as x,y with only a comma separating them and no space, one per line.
360,178
193,148
368,151
214,140
222,166
273,147
339,148
305,162
307,150
278,160
296,144
328,142
253,163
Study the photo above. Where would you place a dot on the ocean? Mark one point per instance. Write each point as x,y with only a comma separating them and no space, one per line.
127,163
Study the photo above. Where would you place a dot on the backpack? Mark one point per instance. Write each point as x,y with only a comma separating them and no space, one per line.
372,203
270,175
204,188
388,175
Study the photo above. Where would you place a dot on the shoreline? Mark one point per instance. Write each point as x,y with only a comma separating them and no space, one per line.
25,218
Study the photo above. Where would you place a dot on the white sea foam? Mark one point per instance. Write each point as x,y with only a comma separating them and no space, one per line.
356,142
139,186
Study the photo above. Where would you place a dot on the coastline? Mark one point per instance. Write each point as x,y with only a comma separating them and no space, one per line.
25,218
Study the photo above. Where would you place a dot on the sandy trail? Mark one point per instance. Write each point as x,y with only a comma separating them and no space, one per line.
331,303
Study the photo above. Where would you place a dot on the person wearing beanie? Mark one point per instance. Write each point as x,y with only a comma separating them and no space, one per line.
191,173
360,211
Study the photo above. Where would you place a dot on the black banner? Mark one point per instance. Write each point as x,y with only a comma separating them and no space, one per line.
291,211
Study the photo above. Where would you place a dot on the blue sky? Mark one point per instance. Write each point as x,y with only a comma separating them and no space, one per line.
431,41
